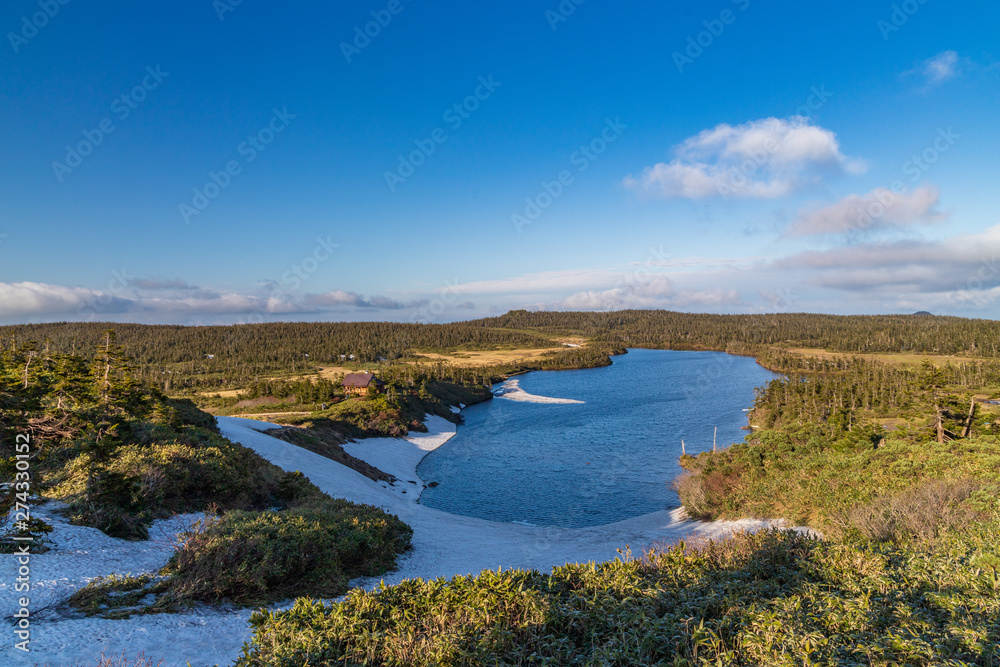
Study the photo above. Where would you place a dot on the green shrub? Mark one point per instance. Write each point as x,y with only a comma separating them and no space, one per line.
811,483
773,598
261,557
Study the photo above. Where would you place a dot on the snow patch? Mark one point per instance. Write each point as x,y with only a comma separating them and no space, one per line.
511,390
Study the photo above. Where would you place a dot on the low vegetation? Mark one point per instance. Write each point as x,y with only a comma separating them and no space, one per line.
119,455
774,598
820,451
316,548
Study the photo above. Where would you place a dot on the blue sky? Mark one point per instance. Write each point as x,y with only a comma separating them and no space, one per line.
272,162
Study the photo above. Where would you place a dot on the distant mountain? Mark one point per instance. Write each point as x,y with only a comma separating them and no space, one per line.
923,312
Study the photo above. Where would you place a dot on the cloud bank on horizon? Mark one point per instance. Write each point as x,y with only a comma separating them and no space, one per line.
839,168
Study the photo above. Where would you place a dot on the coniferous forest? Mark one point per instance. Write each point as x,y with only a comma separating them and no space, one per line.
180,358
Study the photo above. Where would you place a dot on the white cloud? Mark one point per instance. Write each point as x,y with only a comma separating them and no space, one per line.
652,291
174,300
878,209
342,298
762,159
941,67
956,264
30,299
543,281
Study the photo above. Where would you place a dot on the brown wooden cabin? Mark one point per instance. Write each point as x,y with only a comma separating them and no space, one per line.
359,383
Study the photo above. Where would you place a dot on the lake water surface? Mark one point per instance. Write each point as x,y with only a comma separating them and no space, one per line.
610,458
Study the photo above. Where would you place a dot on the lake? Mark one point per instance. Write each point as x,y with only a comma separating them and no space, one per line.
609,458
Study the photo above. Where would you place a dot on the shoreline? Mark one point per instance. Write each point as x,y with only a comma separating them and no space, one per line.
446,544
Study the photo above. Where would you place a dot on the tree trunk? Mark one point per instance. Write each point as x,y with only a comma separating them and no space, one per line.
26,367
940,424
968,421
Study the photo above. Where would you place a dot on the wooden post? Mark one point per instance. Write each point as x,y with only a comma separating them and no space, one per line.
683,452
714,437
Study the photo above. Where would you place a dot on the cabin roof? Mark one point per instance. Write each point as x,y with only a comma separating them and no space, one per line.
360,379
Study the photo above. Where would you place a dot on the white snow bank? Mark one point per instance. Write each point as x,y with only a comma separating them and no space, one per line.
511,390
78,555
400,456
